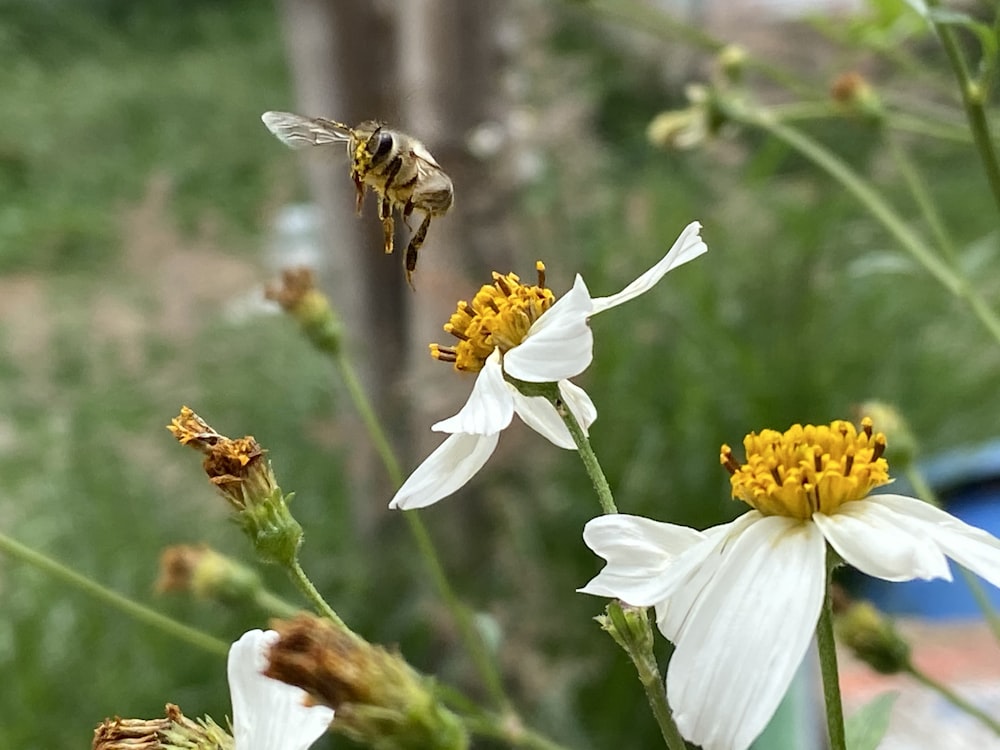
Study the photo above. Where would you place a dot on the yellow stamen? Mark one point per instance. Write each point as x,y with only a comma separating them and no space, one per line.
499,316
808,469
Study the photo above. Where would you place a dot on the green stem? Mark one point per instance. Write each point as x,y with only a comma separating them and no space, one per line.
922,197
300,579
587,455
954,698
924,491
113,599
906,123
875,204
635,635
273,604
372,425
973,99
831,678
512,733
471,636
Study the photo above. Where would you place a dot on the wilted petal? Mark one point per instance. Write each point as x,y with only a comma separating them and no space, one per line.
579,404
489,408
559,344
267,713
970,547
687,247
745,632
878,542
446,470
638,551
541,416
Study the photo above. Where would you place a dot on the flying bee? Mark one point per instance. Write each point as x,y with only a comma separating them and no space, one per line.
396,166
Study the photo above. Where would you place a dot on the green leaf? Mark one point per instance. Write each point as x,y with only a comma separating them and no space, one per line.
867,727
987,39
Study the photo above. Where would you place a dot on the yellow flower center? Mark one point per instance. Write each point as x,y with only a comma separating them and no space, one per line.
499,316
808,469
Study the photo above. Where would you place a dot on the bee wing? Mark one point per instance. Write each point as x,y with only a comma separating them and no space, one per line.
433,185
297,131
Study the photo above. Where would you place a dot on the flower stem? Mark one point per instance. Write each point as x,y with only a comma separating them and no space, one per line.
634,634
973,99
587,455
874,203
510,732
300,579
831,681
922,196
273,604
470,635
115,600
954,698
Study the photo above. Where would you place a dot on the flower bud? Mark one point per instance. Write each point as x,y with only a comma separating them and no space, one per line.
853,91
299,296
872,638
207,574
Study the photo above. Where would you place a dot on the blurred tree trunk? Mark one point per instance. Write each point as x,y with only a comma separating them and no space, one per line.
450,70
432,69
342,59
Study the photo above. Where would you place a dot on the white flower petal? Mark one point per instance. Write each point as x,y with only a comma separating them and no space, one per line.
970,547
878,542
489,408
746,631
693,571
541,416
445,471
687,247
579,403
638,551
267,713
559,344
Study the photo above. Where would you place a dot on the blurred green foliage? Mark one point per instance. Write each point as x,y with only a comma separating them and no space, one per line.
802,308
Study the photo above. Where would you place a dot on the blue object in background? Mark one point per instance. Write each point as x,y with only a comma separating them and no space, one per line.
967,482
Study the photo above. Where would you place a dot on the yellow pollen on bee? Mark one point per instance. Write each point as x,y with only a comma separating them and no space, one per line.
808,469
499,316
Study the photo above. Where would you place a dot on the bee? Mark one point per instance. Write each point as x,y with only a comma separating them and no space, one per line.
396,166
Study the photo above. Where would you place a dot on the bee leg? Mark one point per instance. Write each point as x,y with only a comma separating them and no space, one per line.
416,242
359,186
407,210
388,225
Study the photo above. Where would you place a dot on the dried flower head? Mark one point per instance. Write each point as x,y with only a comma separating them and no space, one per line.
173,732
299,296
377,697
240,470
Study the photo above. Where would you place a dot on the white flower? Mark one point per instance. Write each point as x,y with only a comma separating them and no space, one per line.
531,338
267,713
741,601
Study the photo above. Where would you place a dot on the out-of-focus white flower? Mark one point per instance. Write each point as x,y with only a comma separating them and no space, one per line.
268,714
516,331
741,601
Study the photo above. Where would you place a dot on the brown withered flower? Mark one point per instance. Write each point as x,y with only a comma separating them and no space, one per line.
173,732
240,470
377,697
